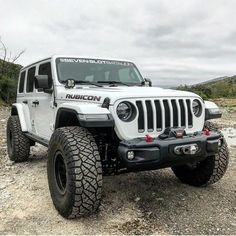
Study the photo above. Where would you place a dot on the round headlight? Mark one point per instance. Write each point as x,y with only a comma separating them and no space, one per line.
197,108
124,111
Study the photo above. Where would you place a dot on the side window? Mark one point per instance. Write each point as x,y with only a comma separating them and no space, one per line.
22,82
45,69
30,80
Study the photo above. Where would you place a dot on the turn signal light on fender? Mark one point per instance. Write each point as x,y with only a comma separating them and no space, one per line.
206,132
148,138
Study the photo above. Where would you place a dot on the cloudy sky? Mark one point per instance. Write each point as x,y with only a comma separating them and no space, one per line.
172,42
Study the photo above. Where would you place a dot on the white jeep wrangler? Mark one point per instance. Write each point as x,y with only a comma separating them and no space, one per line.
100,117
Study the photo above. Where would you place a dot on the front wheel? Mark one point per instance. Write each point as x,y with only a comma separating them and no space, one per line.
74,172
208,171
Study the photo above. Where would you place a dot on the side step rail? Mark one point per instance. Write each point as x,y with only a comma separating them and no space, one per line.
37,139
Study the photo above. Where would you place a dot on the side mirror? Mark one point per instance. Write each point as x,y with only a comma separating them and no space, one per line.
147,82
42,82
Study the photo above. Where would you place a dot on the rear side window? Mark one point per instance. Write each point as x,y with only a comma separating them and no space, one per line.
45,69
30,80
22,82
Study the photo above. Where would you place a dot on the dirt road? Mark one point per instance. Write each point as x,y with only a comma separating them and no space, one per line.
135,203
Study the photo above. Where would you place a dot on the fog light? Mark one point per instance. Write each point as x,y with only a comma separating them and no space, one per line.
130,155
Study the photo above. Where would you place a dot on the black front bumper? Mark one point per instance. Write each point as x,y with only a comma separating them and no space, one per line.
161,153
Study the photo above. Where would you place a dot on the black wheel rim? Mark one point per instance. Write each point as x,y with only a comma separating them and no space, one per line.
60,172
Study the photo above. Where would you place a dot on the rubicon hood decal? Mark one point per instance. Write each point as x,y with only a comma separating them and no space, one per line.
83,97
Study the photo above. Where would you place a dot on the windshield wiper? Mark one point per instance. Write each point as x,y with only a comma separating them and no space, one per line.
87,82
83,82
112,82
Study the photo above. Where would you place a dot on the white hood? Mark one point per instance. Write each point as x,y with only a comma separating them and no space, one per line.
123,92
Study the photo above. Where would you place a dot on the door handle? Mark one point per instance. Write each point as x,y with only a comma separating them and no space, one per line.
36,102
25,102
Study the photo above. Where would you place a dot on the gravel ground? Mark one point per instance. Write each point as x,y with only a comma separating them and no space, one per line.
153,202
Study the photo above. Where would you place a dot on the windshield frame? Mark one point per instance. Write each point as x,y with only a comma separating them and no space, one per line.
100,59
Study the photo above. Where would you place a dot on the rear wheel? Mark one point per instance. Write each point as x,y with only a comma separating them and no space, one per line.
207,171
74,172
18,145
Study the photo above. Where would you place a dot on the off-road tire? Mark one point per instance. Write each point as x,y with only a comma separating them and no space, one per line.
208,171
79,193
18,145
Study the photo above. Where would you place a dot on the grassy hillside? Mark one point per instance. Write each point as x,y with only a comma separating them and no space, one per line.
225,88
8,80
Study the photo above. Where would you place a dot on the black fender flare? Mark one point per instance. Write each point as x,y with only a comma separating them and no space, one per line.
62,113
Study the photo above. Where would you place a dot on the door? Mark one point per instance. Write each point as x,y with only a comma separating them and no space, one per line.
43,106
29,97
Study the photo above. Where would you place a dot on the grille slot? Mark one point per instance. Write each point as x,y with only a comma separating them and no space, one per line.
175,113
182,113
160,114
140,117
149,115
190,116
167,113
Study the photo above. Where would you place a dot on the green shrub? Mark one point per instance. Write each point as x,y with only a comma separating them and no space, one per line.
225,88
8,88
8,80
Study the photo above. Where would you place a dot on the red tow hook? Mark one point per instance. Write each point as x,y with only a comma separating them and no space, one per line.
148,138
206,131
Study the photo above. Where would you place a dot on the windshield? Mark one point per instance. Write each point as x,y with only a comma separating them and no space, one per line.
98,71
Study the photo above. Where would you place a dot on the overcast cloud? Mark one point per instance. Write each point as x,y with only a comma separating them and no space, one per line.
172,42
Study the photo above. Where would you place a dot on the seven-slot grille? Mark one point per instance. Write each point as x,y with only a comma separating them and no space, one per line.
156,115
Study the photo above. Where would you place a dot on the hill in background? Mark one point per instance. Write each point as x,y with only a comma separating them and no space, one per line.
8,80
224,87
212,80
